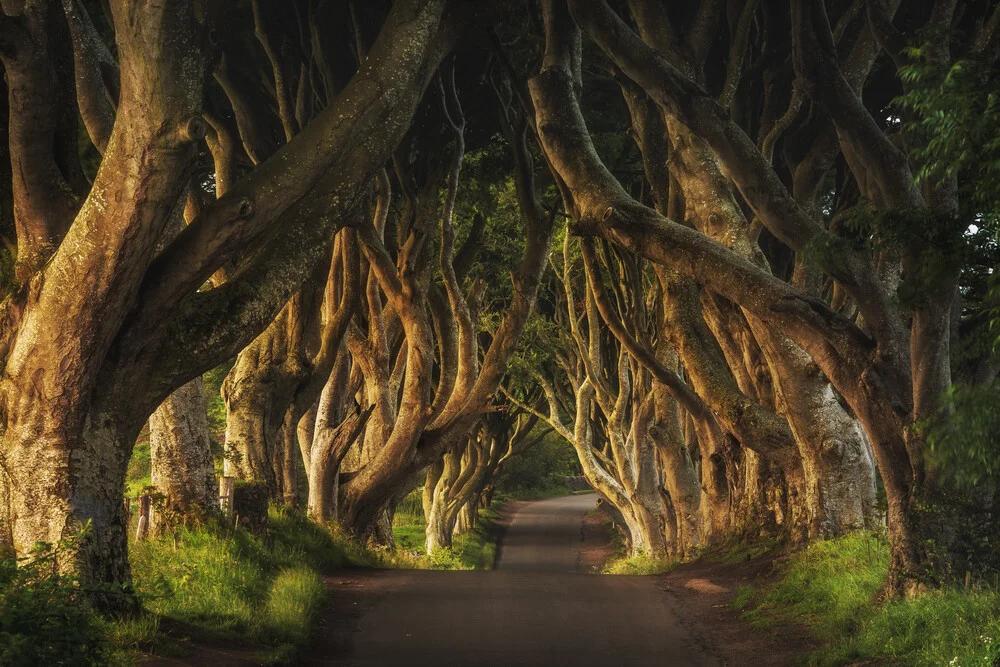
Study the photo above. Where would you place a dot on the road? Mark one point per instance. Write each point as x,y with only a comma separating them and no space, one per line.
536,608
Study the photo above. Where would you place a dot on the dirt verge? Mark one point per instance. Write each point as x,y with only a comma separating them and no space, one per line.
704,593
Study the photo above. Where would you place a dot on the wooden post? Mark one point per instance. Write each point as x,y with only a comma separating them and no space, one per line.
145,514
226,485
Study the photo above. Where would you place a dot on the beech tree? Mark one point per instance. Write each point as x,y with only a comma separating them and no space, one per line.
777,262
888,361
454,485
102,328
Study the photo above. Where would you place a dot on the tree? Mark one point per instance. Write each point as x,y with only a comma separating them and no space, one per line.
102,328
888,364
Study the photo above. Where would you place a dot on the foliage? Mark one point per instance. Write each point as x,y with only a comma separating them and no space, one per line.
216,407
953,134
139,473
951,131
964,435
831,587
45,618
539,472
410,510
955,130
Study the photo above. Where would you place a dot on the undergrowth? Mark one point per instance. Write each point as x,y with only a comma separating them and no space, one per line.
44,618
475,550
638,564
742,547
225,582
831,587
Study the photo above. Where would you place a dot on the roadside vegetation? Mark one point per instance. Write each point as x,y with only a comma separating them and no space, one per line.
639,564
223,582
538,472
833,587
216,582
472,550
622,562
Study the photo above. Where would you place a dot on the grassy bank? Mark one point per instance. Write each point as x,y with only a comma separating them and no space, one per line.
260,595
831,586
226,583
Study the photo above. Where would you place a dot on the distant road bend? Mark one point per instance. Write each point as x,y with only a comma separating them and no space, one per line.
536,608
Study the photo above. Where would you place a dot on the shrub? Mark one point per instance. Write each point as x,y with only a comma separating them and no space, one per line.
45,618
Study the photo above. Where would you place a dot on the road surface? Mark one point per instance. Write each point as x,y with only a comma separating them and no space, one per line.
536,608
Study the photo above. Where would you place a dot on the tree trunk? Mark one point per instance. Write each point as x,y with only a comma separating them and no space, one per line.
181,453
467,518
437,485
680,475
56,487
286,465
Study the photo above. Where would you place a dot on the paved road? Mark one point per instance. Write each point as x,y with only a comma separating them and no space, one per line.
536,608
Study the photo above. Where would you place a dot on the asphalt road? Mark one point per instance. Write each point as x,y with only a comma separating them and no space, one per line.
536,608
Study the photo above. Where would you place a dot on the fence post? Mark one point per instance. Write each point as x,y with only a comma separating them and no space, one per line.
226,485
145,512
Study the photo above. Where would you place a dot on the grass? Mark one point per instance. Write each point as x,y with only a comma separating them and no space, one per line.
227,583
638,564
830,587
475,550
224,583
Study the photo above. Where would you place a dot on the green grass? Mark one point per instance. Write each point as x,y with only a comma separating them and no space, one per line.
228,583
830,587
410,537
621,563
637,565
475,550
827,585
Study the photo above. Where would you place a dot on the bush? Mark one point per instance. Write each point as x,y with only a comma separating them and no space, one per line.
44,616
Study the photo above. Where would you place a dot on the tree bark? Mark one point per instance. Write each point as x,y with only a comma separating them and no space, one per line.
181,453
